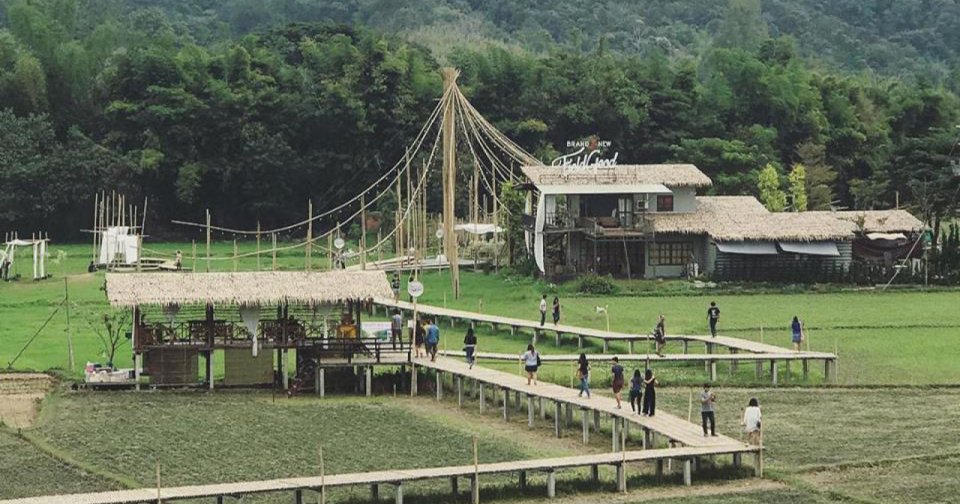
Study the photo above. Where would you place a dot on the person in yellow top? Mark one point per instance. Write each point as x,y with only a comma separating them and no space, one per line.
347,329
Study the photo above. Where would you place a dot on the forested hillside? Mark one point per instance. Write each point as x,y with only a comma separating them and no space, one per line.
226,105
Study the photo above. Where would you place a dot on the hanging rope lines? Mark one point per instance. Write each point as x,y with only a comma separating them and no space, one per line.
490,153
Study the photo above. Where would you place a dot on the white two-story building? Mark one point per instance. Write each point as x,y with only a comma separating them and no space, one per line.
647,221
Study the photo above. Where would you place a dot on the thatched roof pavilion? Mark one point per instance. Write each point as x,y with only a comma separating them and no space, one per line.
620,178
268,287
877,221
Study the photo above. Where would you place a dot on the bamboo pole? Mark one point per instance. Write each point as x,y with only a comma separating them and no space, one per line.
273,236
159,500
363,232
66,302
258,244
96,199
235,254
449,178
330,249
193,255
309,251
208,240
323,482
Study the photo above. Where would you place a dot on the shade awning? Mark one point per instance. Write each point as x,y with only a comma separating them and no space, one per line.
748,248
474,228
886,236
822,248
603,189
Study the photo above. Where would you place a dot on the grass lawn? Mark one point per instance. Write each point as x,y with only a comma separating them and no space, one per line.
27,471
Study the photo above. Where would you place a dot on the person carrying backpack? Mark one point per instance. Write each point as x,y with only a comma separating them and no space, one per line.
531,361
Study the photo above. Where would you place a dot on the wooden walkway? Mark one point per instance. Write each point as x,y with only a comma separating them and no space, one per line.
739,349
301,486
565,400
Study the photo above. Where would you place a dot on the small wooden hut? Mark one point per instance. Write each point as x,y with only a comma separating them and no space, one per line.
254,319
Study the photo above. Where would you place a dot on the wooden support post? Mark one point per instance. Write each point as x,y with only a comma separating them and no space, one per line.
569,415
712,367
297,497
736,460
579,342
734,363
805,365
454,485
606,345
551,484
558,338
759,366
630,347
413,379
543,411
556,417
474,490
786,374
506,405
368,371
459,380
439,386
530,411
757,464
826,370
621,477
210,370
483,398
773,371
708,349
595,473
283,370
374,492
398,496
686,346
586,425
536,334
596,420
523,481
322,382
659,470
615,433
687,472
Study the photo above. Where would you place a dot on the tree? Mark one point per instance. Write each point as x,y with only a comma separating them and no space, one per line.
111,328
768,184
741,25
819,175
798,188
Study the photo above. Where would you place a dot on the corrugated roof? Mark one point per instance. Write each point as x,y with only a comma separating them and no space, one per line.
670,175
251,287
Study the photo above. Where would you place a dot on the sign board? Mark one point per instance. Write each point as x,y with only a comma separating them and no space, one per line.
587,153
439,233
415,289
339,243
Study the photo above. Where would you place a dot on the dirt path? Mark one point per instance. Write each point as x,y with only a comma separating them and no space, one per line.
20,395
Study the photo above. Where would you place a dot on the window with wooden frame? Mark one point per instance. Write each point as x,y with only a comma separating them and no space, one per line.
664,202
670,253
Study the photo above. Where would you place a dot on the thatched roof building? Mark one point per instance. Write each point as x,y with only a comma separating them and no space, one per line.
877,221
621,177
742,218
132,289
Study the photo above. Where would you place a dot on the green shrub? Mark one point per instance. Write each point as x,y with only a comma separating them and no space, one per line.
591,283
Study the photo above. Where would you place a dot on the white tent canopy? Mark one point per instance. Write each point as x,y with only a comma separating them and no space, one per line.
478,229
119,243
39,246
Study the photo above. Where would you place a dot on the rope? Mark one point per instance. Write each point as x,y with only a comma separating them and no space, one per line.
421,136
55,311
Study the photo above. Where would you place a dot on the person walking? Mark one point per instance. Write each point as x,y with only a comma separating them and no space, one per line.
556,310
395,285
531,363
396,329
583,372
649,393
470,346
617,371
433,339
543,309
707,400
636,391
797,328
751,421
660,335
178,260
713,316
419,335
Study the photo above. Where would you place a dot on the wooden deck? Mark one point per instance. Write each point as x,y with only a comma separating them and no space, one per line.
738,349
299,487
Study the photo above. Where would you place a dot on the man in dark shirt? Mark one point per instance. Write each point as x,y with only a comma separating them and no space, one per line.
713,315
